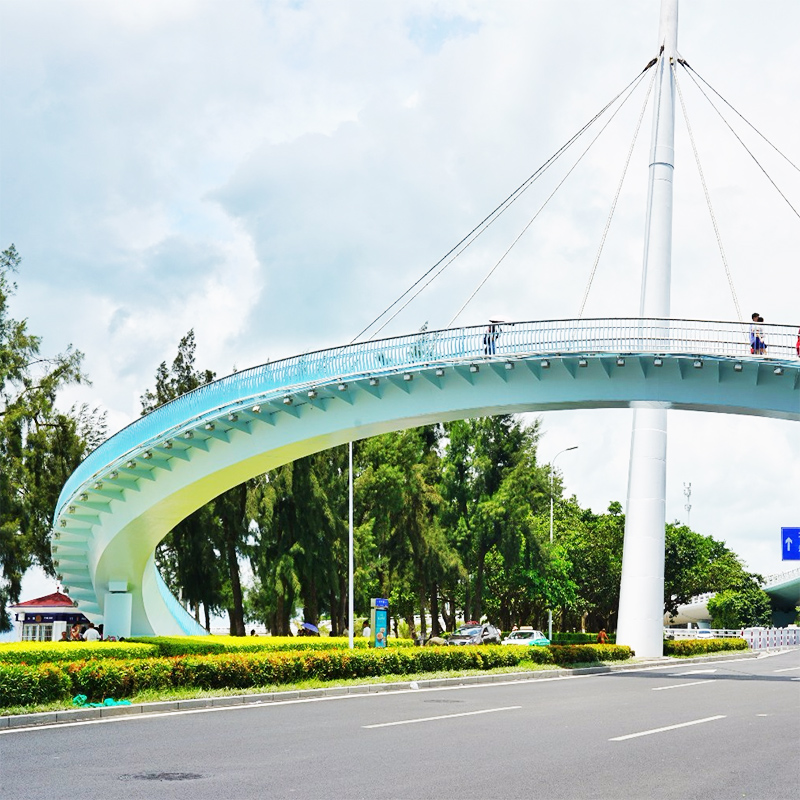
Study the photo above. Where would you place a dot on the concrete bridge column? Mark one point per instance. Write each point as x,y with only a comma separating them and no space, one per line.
118,610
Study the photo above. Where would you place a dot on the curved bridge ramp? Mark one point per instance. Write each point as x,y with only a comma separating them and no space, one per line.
133,489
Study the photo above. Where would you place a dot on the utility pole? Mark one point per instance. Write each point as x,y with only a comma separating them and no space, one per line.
687,491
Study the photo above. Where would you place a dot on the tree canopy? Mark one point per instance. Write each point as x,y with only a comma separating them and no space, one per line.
40,445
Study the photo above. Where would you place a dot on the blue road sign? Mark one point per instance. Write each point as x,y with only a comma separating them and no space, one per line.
790,544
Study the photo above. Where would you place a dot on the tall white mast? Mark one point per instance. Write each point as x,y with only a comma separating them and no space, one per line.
641,603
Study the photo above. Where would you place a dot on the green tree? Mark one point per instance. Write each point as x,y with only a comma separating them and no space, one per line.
748,607
593,545
398,496
277,588
490,485
525,575
39,445
199,557
300,531
695,564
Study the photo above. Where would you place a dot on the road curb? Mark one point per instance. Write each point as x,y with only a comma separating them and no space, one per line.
22,721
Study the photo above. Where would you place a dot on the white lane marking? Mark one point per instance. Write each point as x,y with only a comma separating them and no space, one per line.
695,672
666,728
786,669
681,685
442,716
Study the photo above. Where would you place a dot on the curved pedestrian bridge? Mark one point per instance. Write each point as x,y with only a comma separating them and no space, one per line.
130,492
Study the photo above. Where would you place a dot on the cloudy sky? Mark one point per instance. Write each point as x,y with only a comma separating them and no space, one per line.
274,174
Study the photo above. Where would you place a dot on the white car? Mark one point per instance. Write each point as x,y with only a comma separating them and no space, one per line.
527,636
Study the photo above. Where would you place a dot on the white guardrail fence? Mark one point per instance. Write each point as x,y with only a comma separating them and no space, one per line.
756,638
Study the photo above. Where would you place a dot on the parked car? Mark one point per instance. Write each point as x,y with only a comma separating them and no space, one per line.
477,633
527,636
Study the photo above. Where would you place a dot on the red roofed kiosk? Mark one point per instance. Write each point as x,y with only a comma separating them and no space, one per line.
44,619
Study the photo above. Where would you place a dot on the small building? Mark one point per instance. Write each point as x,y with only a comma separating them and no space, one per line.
44,619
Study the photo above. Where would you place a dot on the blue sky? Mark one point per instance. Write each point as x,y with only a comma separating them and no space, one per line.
273,174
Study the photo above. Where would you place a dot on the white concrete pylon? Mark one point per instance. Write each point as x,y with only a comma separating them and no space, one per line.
641,603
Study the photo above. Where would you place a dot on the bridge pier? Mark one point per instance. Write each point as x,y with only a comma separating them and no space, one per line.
118,610
641,601
641,605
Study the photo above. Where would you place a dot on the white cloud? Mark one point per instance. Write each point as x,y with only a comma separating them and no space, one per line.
273,174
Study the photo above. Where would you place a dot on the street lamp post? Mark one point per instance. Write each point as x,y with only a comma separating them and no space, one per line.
552,480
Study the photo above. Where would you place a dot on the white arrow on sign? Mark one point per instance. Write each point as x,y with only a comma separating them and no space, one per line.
788,542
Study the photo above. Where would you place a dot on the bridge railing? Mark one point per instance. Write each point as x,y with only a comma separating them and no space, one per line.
702,633
756,638
781,577
450,346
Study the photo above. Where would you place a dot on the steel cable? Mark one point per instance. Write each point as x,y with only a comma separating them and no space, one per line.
708,196
541,208
467,240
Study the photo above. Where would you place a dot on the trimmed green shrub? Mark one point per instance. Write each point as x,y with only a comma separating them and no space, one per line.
539,655
580,638
589,653
98,679
694,647
58,652
102,678
206,645
23,685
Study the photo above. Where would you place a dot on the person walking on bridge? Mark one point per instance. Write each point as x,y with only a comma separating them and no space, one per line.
490,337
753,327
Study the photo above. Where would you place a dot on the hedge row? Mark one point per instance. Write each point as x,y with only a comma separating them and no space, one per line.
100,678
149,646
580,638
24,685
206,645
694,647
21,684
57,652
588,653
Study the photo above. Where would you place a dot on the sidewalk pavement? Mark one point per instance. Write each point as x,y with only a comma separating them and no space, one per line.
82,714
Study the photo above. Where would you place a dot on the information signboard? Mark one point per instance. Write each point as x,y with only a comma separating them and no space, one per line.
379,619
790,544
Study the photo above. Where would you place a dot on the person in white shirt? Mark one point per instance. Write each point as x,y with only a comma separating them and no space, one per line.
91,634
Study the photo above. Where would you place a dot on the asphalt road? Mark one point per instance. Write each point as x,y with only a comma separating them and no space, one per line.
727,729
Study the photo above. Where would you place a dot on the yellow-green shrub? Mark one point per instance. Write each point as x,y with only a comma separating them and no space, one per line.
693,647
22,685
56,652
206,645
589,653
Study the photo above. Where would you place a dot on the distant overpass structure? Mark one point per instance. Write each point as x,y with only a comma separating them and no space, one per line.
136,486
783,589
